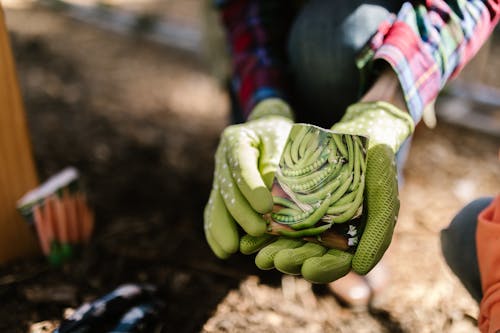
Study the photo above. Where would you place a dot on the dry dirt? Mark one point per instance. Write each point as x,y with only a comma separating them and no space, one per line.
141,122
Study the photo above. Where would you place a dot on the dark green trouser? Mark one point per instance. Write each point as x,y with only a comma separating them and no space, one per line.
324,40
323,43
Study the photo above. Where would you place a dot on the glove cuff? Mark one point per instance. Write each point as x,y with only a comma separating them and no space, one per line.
381,121
271,107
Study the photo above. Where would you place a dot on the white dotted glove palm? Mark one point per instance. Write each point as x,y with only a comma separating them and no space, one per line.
245,163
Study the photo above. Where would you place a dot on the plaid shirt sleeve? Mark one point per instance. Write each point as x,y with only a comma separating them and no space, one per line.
429,42
257,33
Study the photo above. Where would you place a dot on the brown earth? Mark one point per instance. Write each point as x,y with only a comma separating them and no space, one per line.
141,122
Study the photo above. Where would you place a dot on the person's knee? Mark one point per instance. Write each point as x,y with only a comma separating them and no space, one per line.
462,228
465,221
458,245
324,41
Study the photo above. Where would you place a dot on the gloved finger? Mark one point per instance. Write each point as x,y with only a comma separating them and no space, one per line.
235,202
250,244
220,224
216,248
382,206
290,261
273,141
243,157
265,258
331,266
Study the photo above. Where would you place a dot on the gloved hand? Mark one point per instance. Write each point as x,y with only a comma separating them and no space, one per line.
245,163
387,128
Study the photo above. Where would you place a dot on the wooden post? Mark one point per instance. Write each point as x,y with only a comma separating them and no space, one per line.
17,168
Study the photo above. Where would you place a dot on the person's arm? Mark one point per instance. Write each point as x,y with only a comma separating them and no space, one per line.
387,89
488,253
429,42
257,33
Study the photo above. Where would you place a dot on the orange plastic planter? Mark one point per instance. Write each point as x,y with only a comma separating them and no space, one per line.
17,169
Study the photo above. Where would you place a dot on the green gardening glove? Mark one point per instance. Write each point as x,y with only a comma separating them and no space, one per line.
245,163
387,128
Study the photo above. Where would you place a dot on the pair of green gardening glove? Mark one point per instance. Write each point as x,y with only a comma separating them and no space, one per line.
246,160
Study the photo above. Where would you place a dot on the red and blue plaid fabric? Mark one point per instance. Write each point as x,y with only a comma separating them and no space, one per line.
257,33
426,43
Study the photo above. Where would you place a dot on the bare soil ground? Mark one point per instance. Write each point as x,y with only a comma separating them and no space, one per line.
141,122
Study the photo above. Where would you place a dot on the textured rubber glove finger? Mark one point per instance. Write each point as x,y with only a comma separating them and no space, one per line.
243,157
250,244
331,266
382,207
220,224
290,261
265,258
235,202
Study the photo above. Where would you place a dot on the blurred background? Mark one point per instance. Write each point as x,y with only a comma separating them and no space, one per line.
131,93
